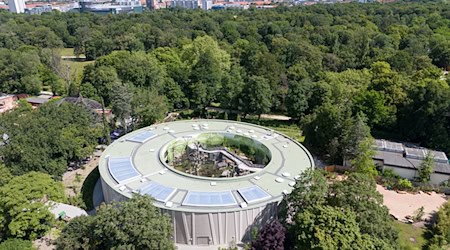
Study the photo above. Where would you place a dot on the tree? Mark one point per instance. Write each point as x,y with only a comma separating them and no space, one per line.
102,78
363,162
352,207
389,82
373,105
324,128
312,189
297,98
426,168
121,98
147,107
441,230
209,65
47,139
22,210
356,140
135,223
5,175
257,96
358,193
326,227
270,237
16,244
232,87
206,78
77,234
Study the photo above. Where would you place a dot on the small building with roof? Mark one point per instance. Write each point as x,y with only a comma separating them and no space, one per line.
405,161
91,105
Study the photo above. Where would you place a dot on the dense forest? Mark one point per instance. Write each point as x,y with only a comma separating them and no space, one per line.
325,65
343,72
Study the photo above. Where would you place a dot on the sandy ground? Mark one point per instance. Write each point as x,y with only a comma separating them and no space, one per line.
69,178
403,204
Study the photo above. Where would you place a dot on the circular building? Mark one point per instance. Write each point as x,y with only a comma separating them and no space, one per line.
217,179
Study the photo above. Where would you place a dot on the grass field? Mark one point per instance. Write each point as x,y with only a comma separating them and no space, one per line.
75,65
68,52
410,237
288,128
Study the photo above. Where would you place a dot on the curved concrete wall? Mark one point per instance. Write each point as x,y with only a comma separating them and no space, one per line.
221,228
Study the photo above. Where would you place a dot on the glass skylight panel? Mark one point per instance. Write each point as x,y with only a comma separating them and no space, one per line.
121,168
394,147
380,144
415,153
439,156
253,194
389,146
142,137
216,199
158,191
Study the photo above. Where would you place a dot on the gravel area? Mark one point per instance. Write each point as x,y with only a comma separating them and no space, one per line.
404,204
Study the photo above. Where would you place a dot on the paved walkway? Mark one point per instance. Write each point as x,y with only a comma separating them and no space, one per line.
240,164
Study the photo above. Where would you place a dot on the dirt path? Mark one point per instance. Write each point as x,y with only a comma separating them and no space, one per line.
73,180
264,116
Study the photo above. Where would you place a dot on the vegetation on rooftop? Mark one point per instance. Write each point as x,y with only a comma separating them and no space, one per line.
186,155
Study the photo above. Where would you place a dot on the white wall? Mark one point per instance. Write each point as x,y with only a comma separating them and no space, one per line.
438,178
411,173
403,172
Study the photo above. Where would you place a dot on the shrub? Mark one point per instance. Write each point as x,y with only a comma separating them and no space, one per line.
404,184
389,173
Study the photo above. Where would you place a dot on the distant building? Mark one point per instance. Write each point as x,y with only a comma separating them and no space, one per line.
206,4
187,4
111,7
16,6
37,10
7,102
94,106
405,161
36,102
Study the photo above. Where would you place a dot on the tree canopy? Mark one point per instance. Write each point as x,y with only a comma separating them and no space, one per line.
135,223
344,214
322,65
48,138
23,213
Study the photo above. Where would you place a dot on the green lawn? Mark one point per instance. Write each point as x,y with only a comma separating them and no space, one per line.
286,127
292,131
408,232
76,67
68,52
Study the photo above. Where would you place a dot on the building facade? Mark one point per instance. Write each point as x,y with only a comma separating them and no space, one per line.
16,6
205,211
405,161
